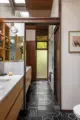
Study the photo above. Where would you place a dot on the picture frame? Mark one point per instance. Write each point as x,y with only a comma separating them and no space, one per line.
74,42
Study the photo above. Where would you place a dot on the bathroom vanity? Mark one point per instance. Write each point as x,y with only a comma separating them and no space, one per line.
11,96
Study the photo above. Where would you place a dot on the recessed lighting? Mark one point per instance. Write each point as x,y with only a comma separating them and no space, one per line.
24,14
19,1
4,1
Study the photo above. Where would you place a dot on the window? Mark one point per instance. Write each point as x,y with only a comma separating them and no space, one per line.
4,1
42,64
19,1
42,45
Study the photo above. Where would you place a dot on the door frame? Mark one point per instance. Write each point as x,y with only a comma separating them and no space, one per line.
55,55
34,21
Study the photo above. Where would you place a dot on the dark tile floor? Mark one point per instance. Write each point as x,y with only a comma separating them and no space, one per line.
41,104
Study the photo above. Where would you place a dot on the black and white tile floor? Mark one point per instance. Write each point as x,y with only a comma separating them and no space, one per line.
41,104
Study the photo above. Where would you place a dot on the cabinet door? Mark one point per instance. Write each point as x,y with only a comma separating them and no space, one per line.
8,102
13,115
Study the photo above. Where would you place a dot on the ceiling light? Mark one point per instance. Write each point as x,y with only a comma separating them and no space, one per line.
24,14
4,1
14,29
19,1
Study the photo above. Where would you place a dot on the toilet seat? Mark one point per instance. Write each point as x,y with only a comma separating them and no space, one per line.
76,110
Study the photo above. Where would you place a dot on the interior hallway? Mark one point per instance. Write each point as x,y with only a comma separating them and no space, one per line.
41,104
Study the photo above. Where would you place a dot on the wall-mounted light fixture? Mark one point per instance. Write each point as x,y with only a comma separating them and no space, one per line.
13,29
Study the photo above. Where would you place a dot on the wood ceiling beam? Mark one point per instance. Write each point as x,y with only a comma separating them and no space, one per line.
38,4
35,21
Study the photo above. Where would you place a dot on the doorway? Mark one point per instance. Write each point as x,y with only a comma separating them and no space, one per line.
37,21
42,52
37,51
42,60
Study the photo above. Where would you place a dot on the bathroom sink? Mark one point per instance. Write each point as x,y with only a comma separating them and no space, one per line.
1,87
4,78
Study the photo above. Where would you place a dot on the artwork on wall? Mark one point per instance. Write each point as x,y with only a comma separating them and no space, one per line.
74,41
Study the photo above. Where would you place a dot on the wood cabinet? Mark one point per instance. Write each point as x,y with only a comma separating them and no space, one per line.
28,78
11,105
4,42
15,109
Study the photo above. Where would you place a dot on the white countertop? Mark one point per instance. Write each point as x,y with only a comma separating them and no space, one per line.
8,85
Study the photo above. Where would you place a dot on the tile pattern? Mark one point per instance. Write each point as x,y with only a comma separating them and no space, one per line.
41,104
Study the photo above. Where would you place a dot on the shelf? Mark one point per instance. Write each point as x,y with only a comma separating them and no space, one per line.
4,36
1,48
5,47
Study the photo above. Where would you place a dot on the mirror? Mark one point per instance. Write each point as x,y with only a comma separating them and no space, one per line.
16,47
11,41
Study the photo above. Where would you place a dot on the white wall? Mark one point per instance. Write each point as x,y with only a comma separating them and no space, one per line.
51,47
70,63
17,68
30,35
55,8
51,55
5,11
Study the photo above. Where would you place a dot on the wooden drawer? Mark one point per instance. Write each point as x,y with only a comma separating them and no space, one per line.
10,99
16,107
28,78
28,74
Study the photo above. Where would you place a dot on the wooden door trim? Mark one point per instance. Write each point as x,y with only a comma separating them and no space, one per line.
48,21
34,21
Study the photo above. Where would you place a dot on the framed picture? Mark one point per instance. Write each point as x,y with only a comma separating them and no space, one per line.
74,41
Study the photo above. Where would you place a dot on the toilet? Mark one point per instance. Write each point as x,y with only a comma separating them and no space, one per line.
76,111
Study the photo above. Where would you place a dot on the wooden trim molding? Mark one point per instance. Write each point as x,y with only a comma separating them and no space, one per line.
34,21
